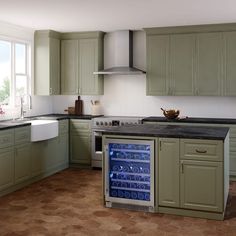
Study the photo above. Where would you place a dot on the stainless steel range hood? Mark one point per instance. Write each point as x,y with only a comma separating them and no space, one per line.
118,54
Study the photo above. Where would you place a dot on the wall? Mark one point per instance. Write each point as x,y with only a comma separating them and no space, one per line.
40,104
126,95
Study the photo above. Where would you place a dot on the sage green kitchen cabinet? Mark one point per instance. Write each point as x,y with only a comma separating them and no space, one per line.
90,84
201,179
168,172
157,65
47,62
6,167
191,60
6,158
201,185
209,64
69,67
182,64
81,55
170,64
230,68
80,141
22,162
50,156
192,176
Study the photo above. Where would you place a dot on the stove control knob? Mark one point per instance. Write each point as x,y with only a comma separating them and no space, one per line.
110,123
122,123
101,123
126,123
97,123
105,123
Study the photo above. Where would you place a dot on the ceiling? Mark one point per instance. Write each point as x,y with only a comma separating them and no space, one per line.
110,15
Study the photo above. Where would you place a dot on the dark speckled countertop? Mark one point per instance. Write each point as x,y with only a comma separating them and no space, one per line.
169,131
191,120
9,124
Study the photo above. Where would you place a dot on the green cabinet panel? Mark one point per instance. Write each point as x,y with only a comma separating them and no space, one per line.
81,55
157,65
6,167
230,68
22,162
168,172
90,84
47,62
182,64
81,149
69,67
80,141
201,185
191,60
38,158
209,64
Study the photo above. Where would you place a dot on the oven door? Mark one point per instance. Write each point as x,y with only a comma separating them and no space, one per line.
97,149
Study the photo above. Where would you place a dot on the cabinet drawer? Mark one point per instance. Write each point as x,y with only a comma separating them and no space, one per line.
80,125
205,150
6,138
63,126
22,135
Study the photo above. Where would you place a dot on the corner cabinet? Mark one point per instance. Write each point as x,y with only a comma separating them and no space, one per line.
47,62
191,60
80,142
81,55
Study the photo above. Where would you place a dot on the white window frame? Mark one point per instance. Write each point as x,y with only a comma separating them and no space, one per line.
13,98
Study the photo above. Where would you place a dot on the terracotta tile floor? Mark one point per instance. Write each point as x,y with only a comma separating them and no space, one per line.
70,203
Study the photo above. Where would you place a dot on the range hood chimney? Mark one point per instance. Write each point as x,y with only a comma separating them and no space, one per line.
118,54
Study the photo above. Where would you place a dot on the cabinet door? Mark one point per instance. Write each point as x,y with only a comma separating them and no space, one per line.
80,148
168,172
54,55
38,157
182,59
230,68
6,168
201,185
157,64
209,64
22,162
63,150
69,67
88,62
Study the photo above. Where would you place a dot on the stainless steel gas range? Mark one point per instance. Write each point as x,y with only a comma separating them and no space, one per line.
100,123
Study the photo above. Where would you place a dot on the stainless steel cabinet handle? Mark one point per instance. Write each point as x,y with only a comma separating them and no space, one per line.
201,151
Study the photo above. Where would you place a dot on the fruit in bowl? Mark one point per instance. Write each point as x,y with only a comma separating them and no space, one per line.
170,114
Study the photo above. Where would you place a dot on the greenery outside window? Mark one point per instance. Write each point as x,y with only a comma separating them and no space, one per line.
14,72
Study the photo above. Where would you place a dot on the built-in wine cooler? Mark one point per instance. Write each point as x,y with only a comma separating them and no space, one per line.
129,172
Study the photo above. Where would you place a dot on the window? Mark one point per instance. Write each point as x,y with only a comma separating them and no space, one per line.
14,72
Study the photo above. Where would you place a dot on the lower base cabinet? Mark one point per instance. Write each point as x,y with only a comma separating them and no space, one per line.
80,142
201,185
192,176
22,162
6,168
52,154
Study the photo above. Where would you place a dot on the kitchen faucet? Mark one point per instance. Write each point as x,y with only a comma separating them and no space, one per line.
22,108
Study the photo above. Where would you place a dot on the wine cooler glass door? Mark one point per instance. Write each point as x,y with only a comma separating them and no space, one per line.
129,171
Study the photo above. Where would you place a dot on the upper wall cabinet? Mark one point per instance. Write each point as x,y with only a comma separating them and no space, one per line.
230,63
192,60
47,62
81,55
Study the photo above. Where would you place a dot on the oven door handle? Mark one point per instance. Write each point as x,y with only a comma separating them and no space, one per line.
97,133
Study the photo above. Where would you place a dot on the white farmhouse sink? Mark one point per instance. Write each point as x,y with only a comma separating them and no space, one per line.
43,129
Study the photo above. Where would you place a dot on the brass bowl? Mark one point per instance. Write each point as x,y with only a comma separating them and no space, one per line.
171,114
